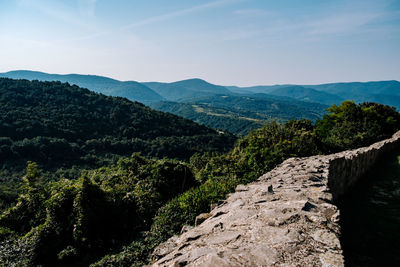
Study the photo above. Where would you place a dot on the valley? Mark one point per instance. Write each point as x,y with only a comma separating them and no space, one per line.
230,108
67,129
199,133
89,179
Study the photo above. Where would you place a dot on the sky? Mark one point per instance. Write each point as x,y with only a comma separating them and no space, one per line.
227,42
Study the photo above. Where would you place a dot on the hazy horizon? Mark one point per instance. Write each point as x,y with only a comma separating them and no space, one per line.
226,42
227,85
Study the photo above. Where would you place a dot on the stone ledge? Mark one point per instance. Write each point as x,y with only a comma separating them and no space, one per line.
286,218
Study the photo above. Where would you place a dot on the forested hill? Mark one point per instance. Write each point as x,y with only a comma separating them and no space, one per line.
59,125
117,215
384,92
186,89
130,89
241,114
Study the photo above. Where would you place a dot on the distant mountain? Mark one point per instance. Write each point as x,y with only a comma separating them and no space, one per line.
307,94
266,89
132,90
366,88
241,114
181,90
384,92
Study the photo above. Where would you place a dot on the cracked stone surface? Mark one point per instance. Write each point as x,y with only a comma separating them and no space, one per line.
286,218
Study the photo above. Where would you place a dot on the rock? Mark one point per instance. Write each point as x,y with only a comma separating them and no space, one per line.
309,207
186,228
297,224
270,190
213,206
164,248
219,213
220,202
201,218
180,263
241,188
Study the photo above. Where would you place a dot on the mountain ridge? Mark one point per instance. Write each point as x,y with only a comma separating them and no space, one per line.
189,88
307,94
132,90
385,92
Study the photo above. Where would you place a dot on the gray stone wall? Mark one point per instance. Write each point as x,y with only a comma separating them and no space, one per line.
288,217
346,168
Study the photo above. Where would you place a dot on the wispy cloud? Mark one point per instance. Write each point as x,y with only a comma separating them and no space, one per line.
342,23
332,23
59,11
160,18
253,12
179,13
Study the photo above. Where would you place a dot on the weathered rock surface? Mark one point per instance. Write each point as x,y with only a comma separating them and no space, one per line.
286,218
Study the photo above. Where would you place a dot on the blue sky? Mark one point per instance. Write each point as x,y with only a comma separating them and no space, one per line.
241,42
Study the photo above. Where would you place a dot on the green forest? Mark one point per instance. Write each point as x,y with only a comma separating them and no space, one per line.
115,210
65,129
241,114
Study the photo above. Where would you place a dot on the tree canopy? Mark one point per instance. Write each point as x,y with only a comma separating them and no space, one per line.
115,215
65,129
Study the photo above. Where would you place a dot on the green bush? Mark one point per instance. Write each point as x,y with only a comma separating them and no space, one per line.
351,125
117,215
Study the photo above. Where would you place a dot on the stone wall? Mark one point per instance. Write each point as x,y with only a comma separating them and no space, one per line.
286,218
346,168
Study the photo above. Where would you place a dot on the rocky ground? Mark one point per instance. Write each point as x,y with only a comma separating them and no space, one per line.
282,219
286,218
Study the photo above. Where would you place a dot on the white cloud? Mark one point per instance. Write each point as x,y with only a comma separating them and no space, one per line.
341,23
181,12
159,18
62,12
362,19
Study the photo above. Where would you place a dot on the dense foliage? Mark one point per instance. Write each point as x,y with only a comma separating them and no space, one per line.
241,114
254,155
76,221
217,118
132,90
350,125
307,94
69,128
116,215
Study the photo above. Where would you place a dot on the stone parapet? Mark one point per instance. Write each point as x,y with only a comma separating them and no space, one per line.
288,217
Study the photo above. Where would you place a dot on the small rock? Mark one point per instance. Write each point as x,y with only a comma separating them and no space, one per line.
241,188
309,207
213,206
180,263
192,238
201,218
164,248
270,189
220,202
219,213
186,228
314,179
218,226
